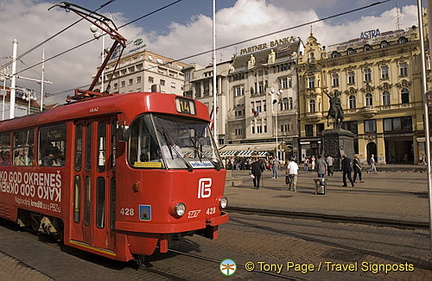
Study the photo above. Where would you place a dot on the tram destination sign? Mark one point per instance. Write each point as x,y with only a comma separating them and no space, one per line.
185,106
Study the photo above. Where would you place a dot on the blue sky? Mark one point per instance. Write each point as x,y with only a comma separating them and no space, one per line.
182,30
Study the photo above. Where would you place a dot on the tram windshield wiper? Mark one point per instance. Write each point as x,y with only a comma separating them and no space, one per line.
170,146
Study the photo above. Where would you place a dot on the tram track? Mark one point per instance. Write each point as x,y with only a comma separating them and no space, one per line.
399,223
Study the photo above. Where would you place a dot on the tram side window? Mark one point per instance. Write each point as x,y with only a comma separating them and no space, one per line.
4,149
23,147
52,145
143,150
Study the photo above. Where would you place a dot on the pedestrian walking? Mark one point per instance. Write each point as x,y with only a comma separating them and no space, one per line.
357,169
330,161
346,169
306,164
313,162
275,167
372,163
292,173
257,168
321,166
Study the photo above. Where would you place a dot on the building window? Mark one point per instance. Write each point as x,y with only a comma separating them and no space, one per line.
309,130
367,75
384,72
138,79
405,96
285,104
238,91
311,82
130,81
386,98
352,102
403,69
351,77
162,82
261,87
335,80
384,44
285,82
291,104
123,83
399,124
369,100
370,126
312,106
150,79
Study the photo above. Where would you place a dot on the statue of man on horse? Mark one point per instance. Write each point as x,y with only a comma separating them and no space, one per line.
335,111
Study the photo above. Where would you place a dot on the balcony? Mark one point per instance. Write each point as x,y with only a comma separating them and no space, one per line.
313,117
368,111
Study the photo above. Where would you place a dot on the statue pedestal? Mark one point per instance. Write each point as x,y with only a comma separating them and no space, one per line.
336,143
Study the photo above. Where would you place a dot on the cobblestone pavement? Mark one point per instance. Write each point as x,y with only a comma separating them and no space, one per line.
396,196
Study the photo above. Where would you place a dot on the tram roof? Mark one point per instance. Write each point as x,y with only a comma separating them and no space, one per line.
128,105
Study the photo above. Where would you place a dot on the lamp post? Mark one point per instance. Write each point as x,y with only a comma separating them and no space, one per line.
275,102
28,96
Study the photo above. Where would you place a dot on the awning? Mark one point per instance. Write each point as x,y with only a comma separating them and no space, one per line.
247,149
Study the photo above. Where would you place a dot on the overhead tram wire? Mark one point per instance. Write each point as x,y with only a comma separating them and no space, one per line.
243,41
90,40
53,36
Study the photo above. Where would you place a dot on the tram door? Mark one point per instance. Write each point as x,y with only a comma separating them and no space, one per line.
94,183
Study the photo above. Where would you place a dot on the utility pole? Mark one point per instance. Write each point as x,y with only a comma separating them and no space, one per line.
13,81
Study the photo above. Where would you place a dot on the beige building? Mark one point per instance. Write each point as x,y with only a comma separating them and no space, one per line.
378,80
140,69
256,90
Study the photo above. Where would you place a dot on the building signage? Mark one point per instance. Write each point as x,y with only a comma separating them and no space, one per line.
370,34
271,44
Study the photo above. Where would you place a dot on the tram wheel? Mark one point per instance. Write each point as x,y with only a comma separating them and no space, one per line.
139,260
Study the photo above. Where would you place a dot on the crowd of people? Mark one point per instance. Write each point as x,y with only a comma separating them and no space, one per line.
323,165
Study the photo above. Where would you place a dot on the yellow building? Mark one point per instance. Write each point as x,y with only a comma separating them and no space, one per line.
378,80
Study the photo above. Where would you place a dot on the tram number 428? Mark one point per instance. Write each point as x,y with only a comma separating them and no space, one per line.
127,212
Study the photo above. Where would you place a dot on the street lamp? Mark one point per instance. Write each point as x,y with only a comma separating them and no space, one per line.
274,98
29,96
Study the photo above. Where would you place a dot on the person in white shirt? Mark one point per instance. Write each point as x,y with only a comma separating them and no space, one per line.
292,173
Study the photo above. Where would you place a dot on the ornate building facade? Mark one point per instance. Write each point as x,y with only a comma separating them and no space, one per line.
257,97
378,80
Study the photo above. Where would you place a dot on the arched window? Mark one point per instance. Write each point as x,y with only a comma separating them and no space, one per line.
384,44
351,51
352,102
402,40
335,54
405,95
367,47
386,98
369,99
312,106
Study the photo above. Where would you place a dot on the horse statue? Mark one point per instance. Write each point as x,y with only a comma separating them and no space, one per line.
335,111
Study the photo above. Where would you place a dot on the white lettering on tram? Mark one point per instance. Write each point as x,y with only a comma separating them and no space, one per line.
33,186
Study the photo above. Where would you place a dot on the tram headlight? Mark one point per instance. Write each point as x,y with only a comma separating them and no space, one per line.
223,202
180,209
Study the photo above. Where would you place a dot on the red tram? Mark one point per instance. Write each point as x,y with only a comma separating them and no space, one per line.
115,175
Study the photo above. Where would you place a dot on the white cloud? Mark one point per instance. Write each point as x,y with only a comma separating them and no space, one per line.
31,23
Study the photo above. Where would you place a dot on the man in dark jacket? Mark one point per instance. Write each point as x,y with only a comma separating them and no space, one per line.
257,168
346,169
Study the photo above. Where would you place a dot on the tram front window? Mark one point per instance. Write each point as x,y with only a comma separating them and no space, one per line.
175,143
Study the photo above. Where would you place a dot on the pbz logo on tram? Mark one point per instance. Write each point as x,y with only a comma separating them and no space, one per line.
204,187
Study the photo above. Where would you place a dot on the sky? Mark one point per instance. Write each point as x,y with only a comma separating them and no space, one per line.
182,29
